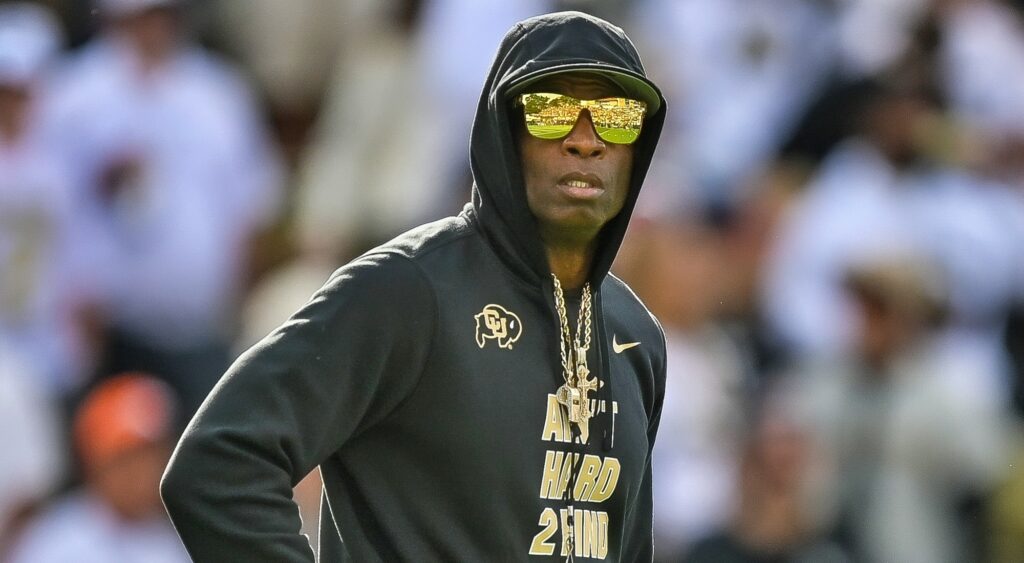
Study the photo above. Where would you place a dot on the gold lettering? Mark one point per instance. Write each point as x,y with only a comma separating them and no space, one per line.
541,544
579,530
602,535
496,325
587,532
591,542
607,481
586,480
556,425
550,483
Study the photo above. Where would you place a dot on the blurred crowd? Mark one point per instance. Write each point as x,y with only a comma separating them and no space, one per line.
832,235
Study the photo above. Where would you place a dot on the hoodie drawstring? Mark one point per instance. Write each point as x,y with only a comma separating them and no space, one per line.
605,394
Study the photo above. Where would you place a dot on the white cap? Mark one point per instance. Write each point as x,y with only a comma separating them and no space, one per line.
122,8
29,38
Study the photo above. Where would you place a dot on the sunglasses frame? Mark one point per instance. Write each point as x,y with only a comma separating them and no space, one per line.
602,127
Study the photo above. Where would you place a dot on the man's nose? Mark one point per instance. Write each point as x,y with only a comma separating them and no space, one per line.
583,140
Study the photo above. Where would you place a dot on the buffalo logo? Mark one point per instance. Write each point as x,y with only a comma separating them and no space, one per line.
497,323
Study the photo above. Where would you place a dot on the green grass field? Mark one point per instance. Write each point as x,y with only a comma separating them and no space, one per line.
610,134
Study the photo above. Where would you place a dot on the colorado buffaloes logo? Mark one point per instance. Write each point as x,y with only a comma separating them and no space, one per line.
498,323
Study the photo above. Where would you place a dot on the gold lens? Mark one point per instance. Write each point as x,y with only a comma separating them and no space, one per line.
552,116
617,120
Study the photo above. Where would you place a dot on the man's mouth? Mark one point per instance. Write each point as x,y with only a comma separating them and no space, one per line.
581,186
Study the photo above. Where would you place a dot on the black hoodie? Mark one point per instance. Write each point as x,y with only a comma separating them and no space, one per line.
421,380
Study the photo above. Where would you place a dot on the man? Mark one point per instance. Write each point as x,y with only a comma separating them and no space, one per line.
907,451
438,381
123,434
176,176
48,294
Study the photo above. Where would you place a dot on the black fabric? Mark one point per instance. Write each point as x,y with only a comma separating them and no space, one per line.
432,431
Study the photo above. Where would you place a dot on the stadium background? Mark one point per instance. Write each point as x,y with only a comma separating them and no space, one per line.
832,235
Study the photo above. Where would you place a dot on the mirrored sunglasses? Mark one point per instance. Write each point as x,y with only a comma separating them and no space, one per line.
552,116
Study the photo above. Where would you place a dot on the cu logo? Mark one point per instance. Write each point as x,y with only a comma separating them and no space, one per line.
497,323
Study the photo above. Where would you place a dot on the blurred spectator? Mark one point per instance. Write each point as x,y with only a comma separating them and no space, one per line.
176,171
389,151
78,18
881,193
32,459
772,523
874,34
290,48
983,59
123,432
45,290
738,74
695,464
906,450
749,231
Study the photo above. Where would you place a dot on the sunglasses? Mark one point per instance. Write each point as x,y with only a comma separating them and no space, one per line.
553,116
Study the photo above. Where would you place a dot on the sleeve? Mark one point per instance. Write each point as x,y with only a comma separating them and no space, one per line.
639,543
338,366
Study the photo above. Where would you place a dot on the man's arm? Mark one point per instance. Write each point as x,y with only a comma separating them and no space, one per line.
338,366
639,539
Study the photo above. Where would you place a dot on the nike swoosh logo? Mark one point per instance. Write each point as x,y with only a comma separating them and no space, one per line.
620,348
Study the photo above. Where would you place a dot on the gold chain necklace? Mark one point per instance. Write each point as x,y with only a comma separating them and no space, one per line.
573,393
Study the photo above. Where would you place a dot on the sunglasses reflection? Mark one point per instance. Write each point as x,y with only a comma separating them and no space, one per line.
552,116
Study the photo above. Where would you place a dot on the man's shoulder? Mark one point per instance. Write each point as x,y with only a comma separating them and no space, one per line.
400,261
628,313
622,300
417,243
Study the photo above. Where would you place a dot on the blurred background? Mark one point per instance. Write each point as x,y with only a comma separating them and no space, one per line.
832,235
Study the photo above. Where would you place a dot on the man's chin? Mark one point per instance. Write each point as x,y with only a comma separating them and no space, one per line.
578,225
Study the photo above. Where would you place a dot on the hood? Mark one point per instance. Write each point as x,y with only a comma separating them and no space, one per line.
532,49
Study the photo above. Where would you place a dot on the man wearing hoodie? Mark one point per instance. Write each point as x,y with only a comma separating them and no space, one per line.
479,388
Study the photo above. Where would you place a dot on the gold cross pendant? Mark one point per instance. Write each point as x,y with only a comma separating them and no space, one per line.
585,386
576,400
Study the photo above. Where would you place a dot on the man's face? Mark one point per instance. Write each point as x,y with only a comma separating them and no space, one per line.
155,32
576,184
14,104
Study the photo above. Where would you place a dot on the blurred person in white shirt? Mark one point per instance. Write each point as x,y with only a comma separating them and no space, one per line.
881,192
123,432
174,167
32,460
899,448
46,294
739,73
